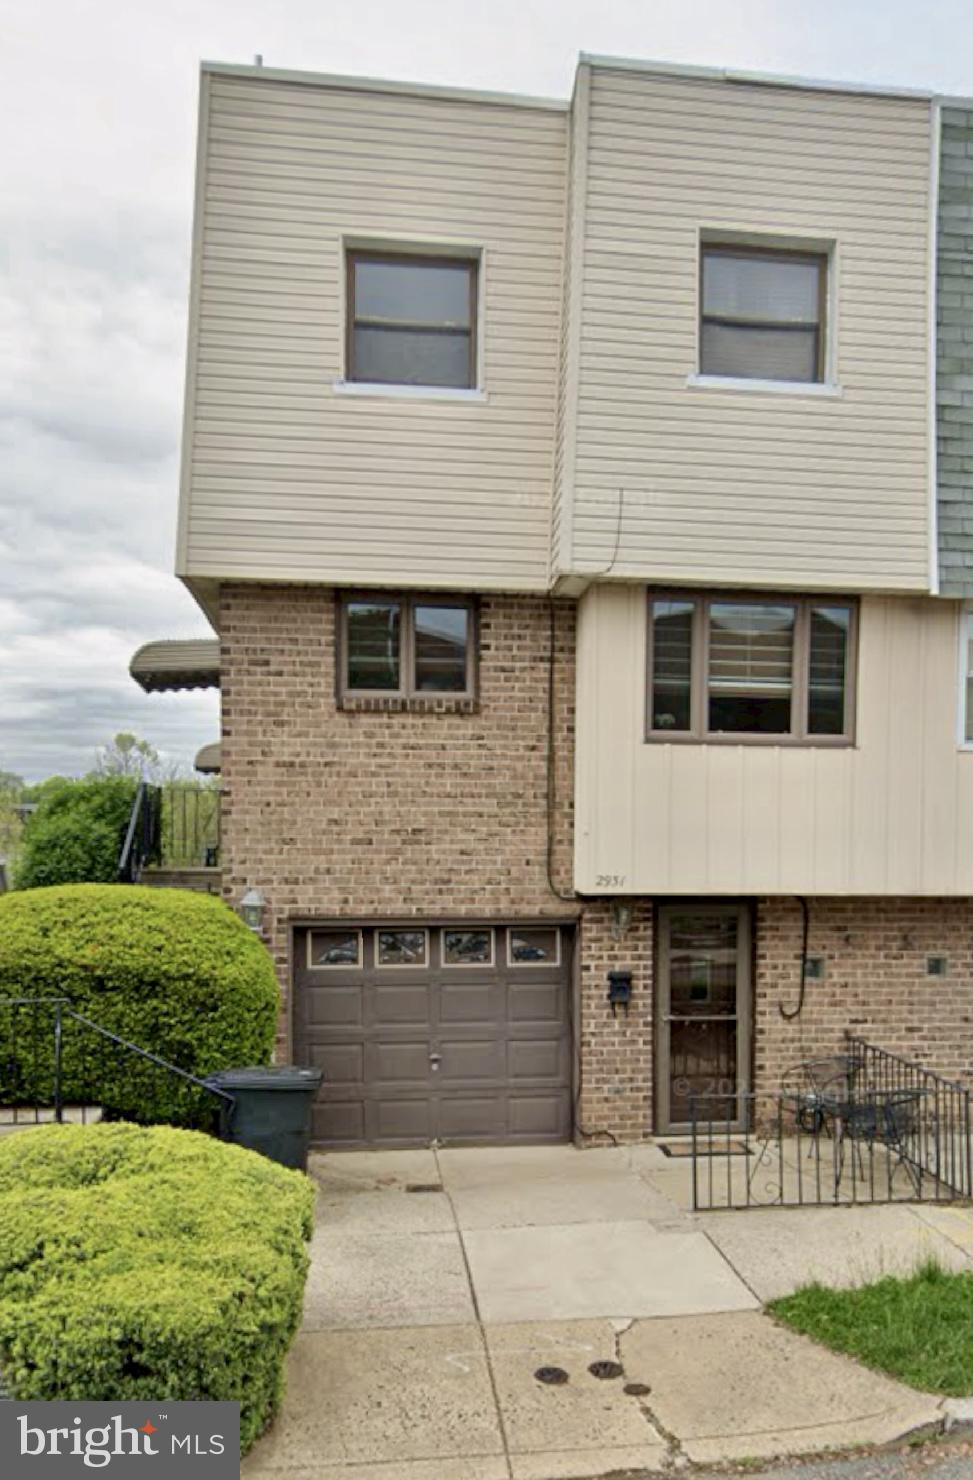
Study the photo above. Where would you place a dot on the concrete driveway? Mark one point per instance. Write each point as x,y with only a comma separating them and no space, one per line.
441,1281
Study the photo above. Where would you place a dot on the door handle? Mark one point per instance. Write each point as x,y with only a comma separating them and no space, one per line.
435,1060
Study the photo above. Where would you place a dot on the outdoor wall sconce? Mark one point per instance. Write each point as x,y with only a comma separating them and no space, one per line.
252,909
621,918
619,990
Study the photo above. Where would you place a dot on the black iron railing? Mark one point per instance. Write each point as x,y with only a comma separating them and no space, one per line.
888,1130
58,1065
141,844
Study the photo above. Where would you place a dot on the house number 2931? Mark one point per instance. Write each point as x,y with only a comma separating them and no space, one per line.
609,881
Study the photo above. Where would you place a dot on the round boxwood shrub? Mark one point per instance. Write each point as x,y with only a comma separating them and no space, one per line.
149,1263
175,972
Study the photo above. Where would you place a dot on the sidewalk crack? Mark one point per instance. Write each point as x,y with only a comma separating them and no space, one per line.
675,1456
479,1320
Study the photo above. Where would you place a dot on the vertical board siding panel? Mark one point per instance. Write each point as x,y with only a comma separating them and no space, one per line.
903,721
691,813
723,484
762,837
587,757
724,783
297,481
869,819
892,814
831,803
798,839
938,781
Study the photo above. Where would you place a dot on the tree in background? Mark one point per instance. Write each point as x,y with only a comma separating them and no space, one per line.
127,755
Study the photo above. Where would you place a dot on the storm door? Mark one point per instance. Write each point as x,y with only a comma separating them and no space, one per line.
703,1013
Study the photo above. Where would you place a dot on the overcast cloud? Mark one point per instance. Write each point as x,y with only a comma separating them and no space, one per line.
97,119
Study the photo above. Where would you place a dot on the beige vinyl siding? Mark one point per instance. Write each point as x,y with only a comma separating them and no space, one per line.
743,485
891,815
287,478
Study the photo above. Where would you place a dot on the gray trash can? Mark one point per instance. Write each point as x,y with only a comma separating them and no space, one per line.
271,1111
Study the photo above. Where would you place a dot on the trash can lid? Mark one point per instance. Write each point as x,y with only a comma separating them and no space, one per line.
268,1077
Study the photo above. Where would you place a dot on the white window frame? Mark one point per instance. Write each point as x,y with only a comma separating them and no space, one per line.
716,236
405,246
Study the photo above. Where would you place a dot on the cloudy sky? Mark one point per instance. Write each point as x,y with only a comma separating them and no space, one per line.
97,119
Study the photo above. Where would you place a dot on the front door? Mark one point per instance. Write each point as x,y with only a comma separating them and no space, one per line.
703,1013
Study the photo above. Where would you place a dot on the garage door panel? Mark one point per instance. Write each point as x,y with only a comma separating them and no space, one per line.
469,1002
535,1058
540,1116
405,1002
340,1063
471,1059
535,1002
472,1118
500,1032
333,1005
402,1118
339,1122
395,1062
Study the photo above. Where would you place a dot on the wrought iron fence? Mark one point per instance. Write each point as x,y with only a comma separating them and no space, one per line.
190,825
894,1132
58,1065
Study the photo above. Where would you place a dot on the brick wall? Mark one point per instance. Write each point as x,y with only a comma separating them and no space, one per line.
875,953
338,813
615,1052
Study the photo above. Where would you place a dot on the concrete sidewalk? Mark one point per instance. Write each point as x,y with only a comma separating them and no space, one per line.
441,1282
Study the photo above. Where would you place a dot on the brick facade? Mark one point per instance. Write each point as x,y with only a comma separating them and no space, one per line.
358,814
615,1052
876,983
443,812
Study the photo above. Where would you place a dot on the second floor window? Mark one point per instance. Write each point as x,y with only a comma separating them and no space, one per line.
412,320
406,646
763,313
737,667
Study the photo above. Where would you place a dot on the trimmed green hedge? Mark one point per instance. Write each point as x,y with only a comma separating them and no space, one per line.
77,832
146,1264
170,970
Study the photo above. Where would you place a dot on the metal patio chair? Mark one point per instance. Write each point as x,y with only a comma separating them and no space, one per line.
892,1119
817,1086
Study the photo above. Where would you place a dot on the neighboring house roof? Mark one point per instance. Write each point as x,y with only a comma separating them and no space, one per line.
208,759
180,664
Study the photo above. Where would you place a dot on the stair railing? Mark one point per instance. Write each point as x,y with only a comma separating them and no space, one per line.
143,834
56,1063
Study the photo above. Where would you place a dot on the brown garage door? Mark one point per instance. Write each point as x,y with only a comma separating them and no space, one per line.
435,1033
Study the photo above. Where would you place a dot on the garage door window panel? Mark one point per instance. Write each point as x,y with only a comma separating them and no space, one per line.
335,949
402,948
534,947
467,947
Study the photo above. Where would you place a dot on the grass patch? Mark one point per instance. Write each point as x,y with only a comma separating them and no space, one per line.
918,1329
